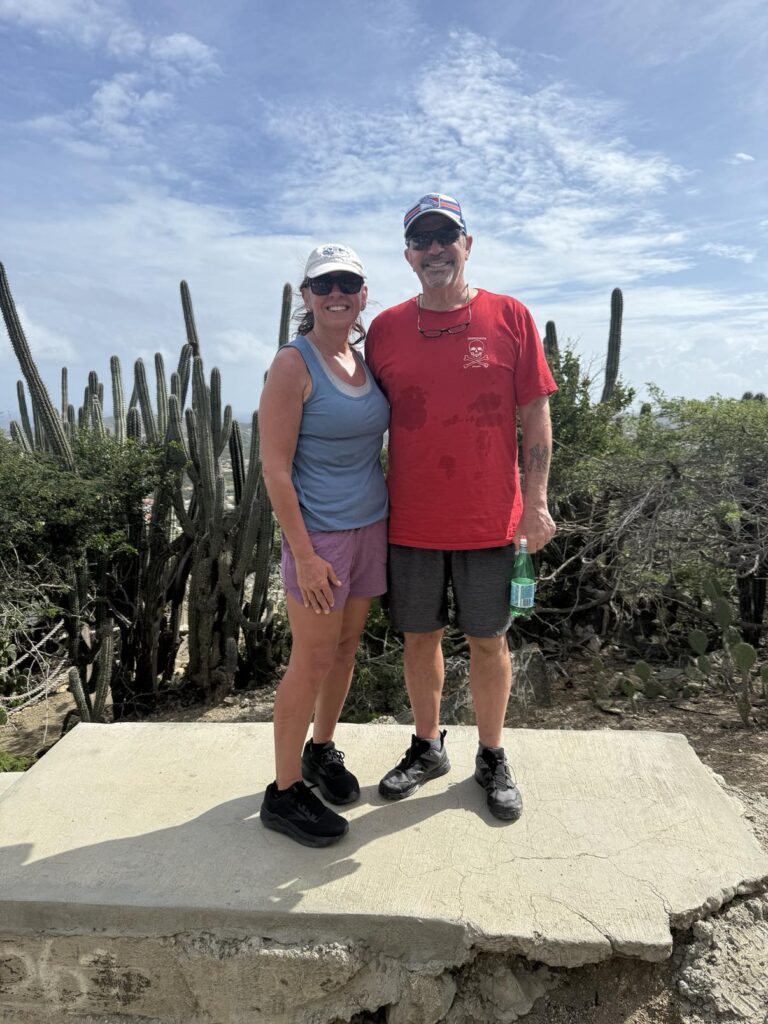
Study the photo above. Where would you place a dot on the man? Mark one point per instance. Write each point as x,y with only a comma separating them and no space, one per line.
459,364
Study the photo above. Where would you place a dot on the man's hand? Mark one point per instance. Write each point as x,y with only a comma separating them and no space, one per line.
315,576
537,526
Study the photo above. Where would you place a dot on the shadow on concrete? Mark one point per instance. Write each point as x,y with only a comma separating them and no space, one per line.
224,859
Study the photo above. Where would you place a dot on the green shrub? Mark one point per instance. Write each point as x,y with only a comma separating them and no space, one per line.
14,763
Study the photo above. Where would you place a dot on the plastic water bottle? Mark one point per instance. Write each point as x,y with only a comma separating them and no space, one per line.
522,589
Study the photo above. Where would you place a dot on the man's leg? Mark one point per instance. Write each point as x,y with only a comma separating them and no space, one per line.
490,680
418,607
424,678
481,589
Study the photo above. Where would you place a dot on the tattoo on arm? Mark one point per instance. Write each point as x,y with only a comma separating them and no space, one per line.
538,459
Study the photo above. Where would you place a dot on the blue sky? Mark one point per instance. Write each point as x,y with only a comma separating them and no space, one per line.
620,145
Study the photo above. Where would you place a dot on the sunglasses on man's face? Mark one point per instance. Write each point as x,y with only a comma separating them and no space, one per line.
443,236
349,284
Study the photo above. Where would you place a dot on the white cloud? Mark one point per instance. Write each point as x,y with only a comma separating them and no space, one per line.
119,293
240,346
729,252
185,52
740,158
499,137
46,343
91,23
675,337
123,107
658,32
549,187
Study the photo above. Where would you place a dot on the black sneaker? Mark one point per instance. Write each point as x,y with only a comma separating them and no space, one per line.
301,815
493,773
420,764
323,766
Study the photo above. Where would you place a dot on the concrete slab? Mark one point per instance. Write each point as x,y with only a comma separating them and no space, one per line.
7,779
135,829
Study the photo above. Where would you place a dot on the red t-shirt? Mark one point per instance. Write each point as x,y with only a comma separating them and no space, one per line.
453,479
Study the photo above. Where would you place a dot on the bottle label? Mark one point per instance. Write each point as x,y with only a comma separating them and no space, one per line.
522,595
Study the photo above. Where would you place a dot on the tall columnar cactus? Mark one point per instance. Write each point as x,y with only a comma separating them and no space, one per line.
614,345
190,544
285,316
189,320
118,400
51,423
64,393
24,414
551,349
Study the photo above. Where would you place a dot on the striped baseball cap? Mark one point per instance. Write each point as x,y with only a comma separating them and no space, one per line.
434,202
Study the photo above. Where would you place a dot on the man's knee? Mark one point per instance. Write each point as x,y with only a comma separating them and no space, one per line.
488,646
418,643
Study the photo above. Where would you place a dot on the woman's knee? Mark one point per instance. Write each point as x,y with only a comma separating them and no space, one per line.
313,660
347,648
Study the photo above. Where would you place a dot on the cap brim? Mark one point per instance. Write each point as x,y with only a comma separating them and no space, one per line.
330,268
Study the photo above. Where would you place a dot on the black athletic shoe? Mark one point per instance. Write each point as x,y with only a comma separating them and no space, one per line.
301,815
420,764
323,766
493,773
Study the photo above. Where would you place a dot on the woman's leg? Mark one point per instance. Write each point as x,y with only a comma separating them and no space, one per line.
313,654
335,686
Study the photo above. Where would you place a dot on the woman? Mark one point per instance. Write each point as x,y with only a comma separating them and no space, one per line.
322,420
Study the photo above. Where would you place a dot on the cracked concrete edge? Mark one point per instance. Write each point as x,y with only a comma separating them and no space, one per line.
716,902
7,779
682,922
412,940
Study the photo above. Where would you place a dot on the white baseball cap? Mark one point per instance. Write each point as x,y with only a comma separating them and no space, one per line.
333,256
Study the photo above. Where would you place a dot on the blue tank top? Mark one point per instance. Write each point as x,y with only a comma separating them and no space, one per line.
337,471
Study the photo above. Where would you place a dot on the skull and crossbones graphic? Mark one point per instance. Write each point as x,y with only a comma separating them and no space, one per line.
476,357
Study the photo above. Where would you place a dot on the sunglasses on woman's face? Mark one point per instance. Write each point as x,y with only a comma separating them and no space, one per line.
443,236
349,284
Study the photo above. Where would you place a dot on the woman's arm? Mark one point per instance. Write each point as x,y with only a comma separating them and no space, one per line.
280,411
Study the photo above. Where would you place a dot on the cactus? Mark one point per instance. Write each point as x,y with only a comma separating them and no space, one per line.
19,436
192,548
142,390
118,399
744,657
285,316
24,413
51,423
64,393
162,396
643,671
614,345
189,320
551,349
698,641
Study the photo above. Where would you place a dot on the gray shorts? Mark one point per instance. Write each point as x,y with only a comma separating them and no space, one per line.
418,589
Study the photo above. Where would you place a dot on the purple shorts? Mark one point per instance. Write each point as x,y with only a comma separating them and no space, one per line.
358,557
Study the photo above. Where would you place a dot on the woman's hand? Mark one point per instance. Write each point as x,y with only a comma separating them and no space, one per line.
314,577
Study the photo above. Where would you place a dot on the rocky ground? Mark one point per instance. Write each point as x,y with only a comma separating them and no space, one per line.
719,969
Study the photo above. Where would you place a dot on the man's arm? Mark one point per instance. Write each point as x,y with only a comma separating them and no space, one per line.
536,524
